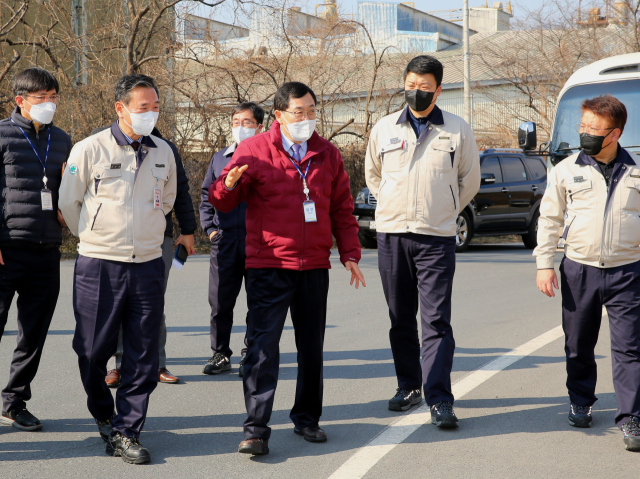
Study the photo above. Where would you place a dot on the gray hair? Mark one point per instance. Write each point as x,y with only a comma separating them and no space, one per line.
129,82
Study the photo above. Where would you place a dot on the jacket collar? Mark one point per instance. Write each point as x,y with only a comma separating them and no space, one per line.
22,122
230,149
315,145
622,157
122,140
436,117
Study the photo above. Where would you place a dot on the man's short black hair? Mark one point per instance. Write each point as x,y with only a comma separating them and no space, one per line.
289,90
423,64
256,110
32,80
129,82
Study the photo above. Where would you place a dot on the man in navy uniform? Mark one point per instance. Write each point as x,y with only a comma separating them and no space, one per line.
227,232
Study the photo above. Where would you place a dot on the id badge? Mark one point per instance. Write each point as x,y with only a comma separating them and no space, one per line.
157,199
47,200
309,211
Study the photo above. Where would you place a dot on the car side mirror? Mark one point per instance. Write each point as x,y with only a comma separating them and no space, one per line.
487,179
527,136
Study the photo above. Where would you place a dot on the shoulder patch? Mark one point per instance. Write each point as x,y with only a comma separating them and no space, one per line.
73,168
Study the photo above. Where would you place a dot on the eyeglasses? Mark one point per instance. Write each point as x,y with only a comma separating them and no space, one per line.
311,114
53,98
245,123
580,128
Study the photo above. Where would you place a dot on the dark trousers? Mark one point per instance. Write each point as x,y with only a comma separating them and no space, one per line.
585,290
108,295
226,272
418,270
35,276
272,292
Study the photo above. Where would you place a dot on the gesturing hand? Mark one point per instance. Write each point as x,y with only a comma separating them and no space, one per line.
356,274
234,175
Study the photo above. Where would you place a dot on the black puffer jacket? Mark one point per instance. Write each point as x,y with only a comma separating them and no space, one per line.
24,223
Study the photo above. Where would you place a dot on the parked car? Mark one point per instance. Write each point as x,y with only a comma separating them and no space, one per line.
511,188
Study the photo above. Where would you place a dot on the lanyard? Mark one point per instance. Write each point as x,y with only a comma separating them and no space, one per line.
304,177
44,164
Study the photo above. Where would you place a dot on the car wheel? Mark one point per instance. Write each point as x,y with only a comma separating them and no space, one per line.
367,240
530,239
464,232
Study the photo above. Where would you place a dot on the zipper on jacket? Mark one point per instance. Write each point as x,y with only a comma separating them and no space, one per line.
455,206
95,216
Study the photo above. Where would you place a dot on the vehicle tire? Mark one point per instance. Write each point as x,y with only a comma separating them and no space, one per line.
464,232
530,239
367,240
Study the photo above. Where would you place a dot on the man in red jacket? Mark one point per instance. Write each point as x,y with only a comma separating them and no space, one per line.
297,195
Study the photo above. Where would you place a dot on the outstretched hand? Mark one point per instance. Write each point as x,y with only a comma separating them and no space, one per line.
356,274
234,175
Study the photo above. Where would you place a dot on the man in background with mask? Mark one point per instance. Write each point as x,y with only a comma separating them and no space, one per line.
117,188
33,151
422,165
593,197
297,196
227,232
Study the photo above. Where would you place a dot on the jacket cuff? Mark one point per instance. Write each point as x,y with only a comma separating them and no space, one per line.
545,262
211,230
349,257
187,232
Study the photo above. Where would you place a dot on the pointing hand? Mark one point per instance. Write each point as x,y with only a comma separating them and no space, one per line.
234,175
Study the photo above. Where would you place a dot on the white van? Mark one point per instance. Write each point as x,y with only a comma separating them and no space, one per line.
618,76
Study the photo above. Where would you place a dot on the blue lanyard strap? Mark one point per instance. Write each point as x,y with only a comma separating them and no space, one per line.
304,177
43,163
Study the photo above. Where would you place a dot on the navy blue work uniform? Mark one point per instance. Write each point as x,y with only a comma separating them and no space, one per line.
585,291
228,256
30,238
417,271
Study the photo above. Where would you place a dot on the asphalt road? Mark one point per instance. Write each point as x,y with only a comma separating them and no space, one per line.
512,424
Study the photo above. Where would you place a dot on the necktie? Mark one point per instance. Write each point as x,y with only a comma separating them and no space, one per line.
296,152
135,145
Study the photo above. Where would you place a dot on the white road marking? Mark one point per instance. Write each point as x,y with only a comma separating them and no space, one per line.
367,456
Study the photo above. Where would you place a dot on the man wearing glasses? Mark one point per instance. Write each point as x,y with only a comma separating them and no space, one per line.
297,196
227,232
593,197
33,152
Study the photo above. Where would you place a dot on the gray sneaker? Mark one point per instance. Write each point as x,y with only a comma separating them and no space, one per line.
631,432
217,364
580,416
442,415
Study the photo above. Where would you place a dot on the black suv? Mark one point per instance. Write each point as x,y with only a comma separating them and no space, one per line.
511,188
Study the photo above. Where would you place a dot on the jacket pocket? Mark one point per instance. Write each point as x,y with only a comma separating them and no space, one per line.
95,217
453,196
442,154
567,226
101,174
630,195
394,157
580,192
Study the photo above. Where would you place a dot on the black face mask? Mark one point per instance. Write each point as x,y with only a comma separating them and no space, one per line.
591,144
419,100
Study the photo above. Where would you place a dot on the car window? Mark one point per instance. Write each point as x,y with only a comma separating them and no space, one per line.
536,168
491,165
513,169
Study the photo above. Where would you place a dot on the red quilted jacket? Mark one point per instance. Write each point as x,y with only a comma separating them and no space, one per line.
277,235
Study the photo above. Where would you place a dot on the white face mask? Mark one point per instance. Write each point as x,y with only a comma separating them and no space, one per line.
142,123
301,130
241,133
42,112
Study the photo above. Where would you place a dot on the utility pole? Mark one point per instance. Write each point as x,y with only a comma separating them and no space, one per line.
466,66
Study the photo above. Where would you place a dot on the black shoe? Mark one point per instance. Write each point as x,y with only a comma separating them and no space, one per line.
580,416
104,428
21,419
442,415
217,364
631,431
404,399
241,366
311,434
129,448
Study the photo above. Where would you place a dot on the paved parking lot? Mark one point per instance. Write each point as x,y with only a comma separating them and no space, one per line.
513,413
